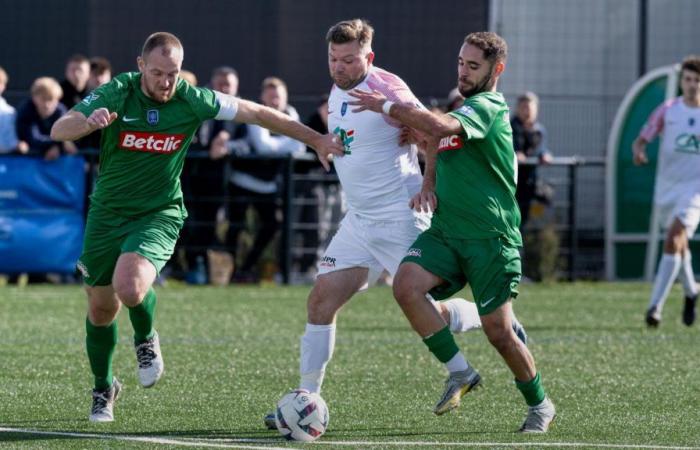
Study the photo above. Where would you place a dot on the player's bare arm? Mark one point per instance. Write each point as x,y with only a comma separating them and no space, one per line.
436,125
75,125
324,145
639,151
426,200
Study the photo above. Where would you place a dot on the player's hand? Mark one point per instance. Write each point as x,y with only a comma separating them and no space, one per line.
423,201
101,118
639,157
407,136
327,146
366,100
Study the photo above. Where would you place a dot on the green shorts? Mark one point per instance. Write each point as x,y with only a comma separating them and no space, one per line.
491,266
108,235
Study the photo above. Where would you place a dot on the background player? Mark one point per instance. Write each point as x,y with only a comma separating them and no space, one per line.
677,189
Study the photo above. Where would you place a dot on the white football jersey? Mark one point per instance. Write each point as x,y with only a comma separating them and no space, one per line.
377,175
678,171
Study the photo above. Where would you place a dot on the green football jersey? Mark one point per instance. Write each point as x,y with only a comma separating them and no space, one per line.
477,174
143,151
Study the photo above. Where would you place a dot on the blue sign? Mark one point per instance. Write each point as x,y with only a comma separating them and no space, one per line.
41,214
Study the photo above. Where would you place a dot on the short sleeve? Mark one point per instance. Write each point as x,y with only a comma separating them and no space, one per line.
105,96
655,123
203,101
476,118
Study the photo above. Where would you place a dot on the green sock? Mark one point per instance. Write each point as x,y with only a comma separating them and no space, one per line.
100,343
532,390
442,345
142,316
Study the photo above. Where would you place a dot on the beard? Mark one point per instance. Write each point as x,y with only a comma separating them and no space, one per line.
346,83
158,95
481,86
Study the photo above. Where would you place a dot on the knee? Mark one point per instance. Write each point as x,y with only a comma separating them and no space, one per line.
320,308
404,288
500,338
129,292
102,313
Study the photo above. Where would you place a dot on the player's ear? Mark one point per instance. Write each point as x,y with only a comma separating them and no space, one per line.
370,57
499,68
140,63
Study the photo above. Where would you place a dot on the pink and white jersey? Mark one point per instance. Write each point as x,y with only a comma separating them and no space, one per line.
678,171
377,175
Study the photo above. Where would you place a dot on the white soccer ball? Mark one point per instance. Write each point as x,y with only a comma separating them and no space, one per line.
301,416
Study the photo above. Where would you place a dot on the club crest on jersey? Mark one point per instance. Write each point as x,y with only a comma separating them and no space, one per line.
346,136
691,121
90,98
450,143
152,116
343,108
466,110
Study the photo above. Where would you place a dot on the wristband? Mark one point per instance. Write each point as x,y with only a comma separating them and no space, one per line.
386,107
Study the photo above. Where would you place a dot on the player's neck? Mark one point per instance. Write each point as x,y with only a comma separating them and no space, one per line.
693,102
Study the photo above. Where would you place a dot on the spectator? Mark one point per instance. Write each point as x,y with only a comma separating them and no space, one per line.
8,136
255,183
75,84
205,181
529,140
36,116
319,199
100,73
188,76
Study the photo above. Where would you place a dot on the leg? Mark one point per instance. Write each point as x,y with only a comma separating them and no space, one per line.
411,286
330,292
101,340
463,316
267,214
499,330
668,269
133,277
498,327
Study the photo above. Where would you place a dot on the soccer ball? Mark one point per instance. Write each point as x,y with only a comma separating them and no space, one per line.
301,416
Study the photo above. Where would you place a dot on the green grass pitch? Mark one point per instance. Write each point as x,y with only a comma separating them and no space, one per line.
231,353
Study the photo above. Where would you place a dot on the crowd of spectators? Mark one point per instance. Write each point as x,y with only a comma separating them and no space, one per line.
233,189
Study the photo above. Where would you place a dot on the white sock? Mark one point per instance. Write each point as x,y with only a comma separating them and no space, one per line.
457,363
463,315
666,274
690,289
317,345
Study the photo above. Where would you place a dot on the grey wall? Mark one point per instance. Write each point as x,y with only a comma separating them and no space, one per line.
581,57
416,39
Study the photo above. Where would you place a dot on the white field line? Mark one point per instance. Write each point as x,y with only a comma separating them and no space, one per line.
261,443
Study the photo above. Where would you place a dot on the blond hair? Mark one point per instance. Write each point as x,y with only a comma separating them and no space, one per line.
46,87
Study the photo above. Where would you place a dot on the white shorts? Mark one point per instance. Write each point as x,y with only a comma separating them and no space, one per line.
686,209
377,245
